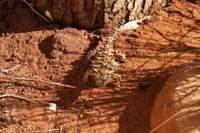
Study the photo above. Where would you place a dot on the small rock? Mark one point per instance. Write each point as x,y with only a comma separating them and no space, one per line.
53,54
66,43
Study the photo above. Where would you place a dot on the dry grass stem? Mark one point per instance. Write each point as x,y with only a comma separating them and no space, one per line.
18,97
38,80
172,117
165,50
36,11
163,123
46,131
9,69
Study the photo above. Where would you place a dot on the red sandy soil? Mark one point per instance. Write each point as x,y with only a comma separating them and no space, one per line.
154,51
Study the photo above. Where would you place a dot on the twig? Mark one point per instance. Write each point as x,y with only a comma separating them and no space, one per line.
152,131
9,69
36,11
164,56
17,97
193,67
163,51
48,130
38,80
75,109
173,116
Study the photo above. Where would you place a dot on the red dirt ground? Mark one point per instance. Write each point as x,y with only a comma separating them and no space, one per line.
153,52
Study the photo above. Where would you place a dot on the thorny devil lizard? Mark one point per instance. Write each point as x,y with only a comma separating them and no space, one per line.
105,59
104,62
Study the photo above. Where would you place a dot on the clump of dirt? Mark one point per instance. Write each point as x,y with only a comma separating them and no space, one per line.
71,43
53,53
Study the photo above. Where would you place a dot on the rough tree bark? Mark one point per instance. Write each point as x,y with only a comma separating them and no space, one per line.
92,14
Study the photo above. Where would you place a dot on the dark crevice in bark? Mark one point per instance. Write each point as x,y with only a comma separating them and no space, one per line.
113,5
100,15
64,11
143,5
128,12
51,6
85,5
72,13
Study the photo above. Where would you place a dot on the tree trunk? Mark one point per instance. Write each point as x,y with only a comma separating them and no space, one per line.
93,14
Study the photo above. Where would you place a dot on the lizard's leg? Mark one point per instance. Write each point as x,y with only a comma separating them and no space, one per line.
86,75
117,77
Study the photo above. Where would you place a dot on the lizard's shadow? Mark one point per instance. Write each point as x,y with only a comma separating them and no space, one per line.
67,97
